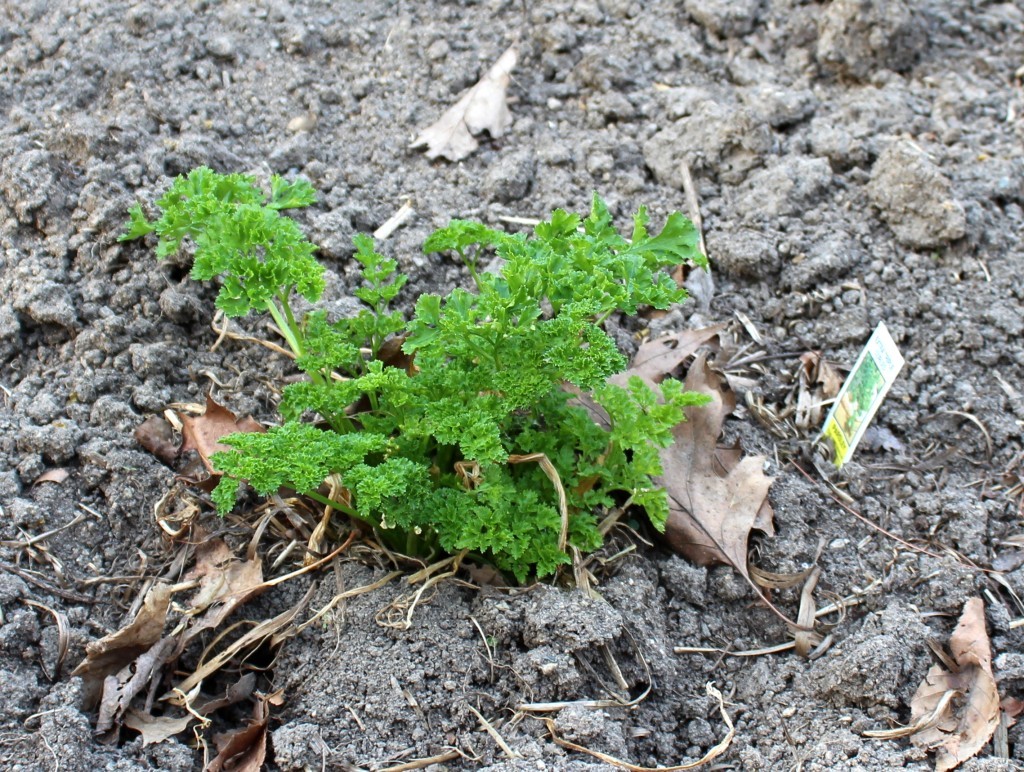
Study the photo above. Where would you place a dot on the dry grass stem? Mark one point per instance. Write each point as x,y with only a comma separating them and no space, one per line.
228,333
925,722
498,739
63,639
421,763
708,757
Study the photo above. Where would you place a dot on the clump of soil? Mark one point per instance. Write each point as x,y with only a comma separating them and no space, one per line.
853,163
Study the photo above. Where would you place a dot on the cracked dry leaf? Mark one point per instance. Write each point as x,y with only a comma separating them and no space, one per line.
482,108
716,495
225,583
201,433
245,749
656,359
967,723
156,729
115,651
119,690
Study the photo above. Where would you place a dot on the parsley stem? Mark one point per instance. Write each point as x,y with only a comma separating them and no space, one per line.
287,330
341,508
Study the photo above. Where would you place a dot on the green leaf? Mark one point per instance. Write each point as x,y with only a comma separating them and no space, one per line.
290,195
422,447
138,225
459,234
678,243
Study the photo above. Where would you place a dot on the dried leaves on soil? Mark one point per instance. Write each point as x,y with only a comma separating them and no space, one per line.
482,108
717,496
245,749
818,383
119,649
156,435
962,727
135,660
202,433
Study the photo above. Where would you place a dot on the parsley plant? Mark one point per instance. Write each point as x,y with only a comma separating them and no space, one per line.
438,453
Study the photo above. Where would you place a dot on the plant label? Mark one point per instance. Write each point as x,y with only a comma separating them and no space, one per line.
863,391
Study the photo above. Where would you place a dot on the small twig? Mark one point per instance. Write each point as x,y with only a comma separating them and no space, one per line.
225,332
487,645
80,517
394,222
53,590
421,763
867,522
924,722
692,206
498,739
716,751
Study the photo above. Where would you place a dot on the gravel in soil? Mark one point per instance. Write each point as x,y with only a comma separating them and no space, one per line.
855,162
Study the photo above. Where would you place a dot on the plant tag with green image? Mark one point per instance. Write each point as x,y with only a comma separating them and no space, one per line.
862,393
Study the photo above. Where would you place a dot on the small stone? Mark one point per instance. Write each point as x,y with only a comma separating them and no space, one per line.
746,252
510,178
725,18
299,123
220,46
716,140
438,50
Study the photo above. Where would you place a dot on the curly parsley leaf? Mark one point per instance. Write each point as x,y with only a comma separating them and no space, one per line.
420,439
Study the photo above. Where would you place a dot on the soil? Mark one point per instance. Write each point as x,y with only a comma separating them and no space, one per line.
855,162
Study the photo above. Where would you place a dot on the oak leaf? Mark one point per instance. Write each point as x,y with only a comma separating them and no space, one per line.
482,108
959,735
156,729
716,495
225,583
202,433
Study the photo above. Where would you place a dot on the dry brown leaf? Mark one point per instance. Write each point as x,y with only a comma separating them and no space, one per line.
1012,707
242,689
119,690
656,359
57,476
818,383
482,108
113,652
716,496
156,435
156,729
959,735
243,750
202,433
225,583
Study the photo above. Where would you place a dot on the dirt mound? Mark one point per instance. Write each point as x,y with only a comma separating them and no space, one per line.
854,163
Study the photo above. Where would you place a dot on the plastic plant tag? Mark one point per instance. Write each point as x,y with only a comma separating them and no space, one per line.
862,393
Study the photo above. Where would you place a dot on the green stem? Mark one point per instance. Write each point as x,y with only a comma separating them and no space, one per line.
471,265
341,508
412,543
286,324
